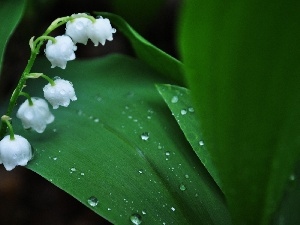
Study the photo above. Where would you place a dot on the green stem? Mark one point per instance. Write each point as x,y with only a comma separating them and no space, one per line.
48,79
5,119
27,96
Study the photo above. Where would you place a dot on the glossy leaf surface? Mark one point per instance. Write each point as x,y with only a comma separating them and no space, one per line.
242,62
119,151
10,15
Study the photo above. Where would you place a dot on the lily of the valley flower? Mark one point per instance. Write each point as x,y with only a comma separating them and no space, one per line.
35,116
14,152
77,29
100,31
60,93
61,51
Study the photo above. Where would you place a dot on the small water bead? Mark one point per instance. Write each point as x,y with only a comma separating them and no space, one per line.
143,212
96,120
182,187
173,209
201,143
191,109
93,201
186,176
292,177
145,136
183,112
73,169
167,153
174,99
141,171
136,219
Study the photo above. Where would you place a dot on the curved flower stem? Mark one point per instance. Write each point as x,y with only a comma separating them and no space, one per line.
48,79
34,52
27,96
5,119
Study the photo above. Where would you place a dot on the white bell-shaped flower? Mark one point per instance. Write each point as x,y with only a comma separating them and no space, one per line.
14,152
77,29
61,51
100,31
35,116
59,94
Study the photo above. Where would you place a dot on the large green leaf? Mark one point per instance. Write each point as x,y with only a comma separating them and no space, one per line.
10,15
180,103
242,65
153,56
118,143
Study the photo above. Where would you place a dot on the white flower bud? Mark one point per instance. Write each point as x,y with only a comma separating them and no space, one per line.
35,116
77,29
61,51
59,94
14,152
100,31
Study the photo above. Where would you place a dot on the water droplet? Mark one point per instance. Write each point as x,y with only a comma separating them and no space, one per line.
140,171
73,169
145,136
182,187
143,212
82,174
173,209
136,219
201,143
108,209
79,112
98,98
55,158
186,176
167,153
191,109
96,120
54,130
183,112
93,201
174,99
292,177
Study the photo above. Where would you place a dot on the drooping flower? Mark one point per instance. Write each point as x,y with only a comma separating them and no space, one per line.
14,152
60,93
77,29
61,51
100,31
35,116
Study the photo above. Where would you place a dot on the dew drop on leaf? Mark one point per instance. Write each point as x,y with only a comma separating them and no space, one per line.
143,212
93,201
201,143
174,99
145,136
183,112
136,219
182,187
173,209
191,109
96,120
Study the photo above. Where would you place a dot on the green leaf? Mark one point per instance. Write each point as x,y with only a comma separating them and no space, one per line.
153,56
119,143
10,15
242,66
180,103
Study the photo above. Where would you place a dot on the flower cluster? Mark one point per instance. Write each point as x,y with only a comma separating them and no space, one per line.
78,30
34,113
